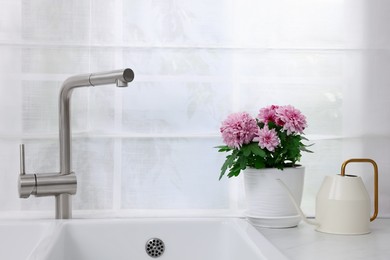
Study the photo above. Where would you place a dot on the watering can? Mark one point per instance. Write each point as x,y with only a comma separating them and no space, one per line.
343,205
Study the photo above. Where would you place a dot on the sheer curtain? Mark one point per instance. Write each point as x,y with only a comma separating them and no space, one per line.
150,146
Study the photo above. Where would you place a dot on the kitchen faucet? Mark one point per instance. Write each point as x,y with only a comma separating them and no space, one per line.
62,185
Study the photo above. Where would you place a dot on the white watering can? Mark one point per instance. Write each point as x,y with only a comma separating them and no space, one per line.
343,204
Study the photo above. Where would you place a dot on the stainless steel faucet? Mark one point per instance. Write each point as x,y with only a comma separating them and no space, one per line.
63,184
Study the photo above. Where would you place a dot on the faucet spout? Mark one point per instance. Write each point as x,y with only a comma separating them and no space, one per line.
118,77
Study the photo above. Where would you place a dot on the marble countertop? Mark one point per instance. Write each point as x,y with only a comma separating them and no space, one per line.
303,242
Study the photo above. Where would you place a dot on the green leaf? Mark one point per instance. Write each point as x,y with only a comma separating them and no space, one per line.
272,125
304,138
235,170
243,162
303,148
255,149
246,150
228,163
259,164
223,148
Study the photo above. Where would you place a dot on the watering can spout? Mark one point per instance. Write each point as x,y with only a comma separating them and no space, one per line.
299,210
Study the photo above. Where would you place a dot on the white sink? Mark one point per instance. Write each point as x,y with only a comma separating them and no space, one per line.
19,238
183,238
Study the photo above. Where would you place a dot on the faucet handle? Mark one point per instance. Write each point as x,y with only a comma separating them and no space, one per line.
27,182
22,165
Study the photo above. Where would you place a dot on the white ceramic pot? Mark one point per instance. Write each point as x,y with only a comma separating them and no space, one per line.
268,203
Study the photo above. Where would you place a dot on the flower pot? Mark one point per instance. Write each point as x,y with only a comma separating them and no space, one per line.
268,204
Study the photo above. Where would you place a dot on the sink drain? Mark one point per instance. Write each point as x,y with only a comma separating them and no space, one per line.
155,247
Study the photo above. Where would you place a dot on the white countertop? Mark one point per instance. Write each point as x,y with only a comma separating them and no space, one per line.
303,242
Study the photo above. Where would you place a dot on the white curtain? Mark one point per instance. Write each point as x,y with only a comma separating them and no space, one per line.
150,146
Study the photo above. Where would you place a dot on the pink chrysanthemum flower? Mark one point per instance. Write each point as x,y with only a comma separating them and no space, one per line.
238,129
268,138
268,114
293,120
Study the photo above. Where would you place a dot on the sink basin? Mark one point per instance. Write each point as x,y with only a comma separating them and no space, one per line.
19,238
182,238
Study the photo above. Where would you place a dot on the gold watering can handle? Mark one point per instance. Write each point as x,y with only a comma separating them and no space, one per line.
364,160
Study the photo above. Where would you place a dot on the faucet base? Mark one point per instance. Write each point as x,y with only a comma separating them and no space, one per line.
51,184
47,184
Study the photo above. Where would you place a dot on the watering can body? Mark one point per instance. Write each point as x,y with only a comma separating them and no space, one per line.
343,205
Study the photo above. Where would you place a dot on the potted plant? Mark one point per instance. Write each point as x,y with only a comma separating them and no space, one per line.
267,148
